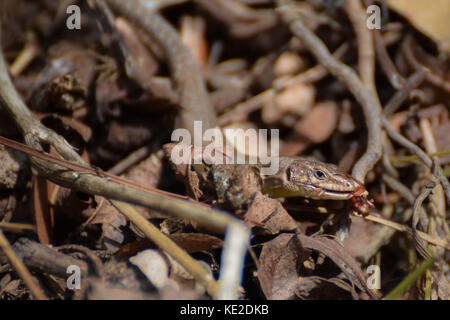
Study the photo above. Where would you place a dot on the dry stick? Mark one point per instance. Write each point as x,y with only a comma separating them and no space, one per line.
31,128
385,222
366,56
79,168
434,165
26,56
233,10
366,97
131,159
92,183
386,158
409,196
17,227
399,187
45,259
397,99
394,77
94,259
380,220
20,268
313,74
241,20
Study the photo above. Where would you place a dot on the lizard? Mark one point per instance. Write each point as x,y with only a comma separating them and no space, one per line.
237,184
296,177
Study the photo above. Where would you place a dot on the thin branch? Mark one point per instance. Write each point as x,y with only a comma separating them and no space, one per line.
395,78
366,55
400,96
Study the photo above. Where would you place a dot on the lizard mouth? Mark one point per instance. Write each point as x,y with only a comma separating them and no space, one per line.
334,194
343,194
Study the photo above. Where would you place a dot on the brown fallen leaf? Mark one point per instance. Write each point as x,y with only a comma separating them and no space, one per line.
269,214
432,20
319,123
147,173
277,272
112,222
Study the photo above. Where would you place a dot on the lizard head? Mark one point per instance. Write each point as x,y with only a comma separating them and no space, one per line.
299,177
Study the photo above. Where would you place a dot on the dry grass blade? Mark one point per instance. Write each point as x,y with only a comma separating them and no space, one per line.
20,268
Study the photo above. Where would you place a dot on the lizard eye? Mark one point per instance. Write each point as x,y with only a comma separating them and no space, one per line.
319,174
288,174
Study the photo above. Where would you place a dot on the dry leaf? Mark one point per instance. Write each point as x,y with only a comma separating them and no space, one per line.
277,272
270,215
320,122
431,18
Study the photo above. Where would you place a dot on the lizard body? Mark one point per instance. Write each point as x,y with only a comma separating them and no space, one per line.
296,177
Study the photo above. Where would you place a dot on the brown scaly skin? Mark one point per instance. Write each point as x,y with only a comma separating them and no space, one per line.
299,177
